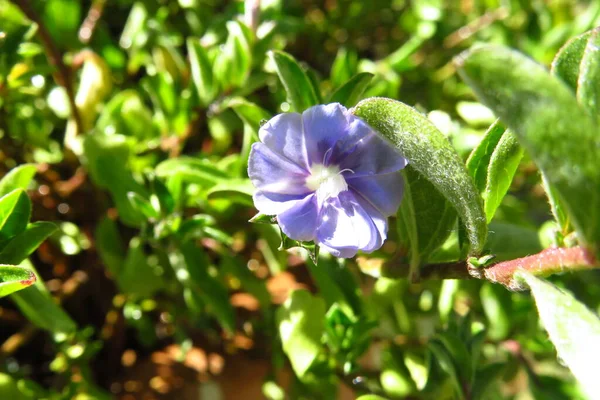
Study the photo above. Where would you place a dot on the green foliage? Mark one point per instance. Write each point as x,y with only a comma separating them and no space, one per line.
572,327
537,108
430,154
132,132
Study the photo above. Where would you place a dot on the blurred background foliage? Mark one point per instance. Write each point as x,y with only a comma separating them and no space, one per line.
138,117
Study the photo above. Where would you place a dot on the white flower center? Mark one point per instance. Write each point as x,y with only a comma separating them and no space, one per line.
326,181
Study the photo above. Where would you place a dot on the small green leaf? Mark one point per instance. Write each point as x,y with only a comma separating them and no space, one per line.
17,178
138,276
191,170
202,72
350,92
497,306
263,219
568,59
26,242
588,83
15,210
191,268
301,321
300,91
493,164
234,59
36,303
142,205
235,190
543,112
479,160
109,245
14,278
507,241
249,113
503,165
430,154
336,285
572,327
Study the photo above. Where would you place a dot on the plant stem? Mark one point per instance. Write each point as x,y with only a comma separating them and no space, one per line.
546,262
62,75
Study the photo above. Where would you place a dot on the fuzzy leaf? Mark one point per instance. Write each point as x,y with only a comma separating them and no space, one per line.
572,327
430,154
543,112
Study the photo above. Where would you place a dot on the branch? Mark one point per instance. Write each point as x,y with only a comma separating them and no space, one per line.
547,262
62,76
544,263
89,24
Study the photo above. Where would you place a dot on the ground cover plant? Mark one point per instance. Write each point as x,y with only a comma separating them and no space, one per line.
206,199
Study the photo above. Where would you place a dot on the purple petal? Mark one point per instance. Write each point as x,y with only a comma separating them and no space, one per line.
284,135
379,220
384,192
366,153
324,125
272,173
275,203
346,226
300,221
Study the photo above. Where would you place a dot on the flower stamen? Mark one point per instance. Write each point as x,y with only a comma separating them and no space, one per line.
326,181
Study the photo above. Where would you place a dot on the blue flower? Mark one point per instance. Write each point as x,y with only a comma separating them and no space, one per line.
328,177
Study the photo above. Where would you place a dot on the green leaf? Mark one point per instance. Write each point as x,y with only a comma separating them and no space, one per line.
479,160
336,285
572,327
350,92
543,112
301,321
568,59
40,308
26,242
14,278
191,170
15,210
430,154
507,241
588,83
107,161
435,217
503,165
493,164
191,268
109,245
234,59
138,276
300,91
446,363
202,72
497,307
250,113
143,206
17,178
235,190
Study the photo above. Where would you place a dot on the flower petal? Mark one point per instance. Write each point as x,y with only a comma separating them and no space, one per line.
379,220
271,172
324,125
365,152
275,203
284,135
384,192
300,221
346,227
